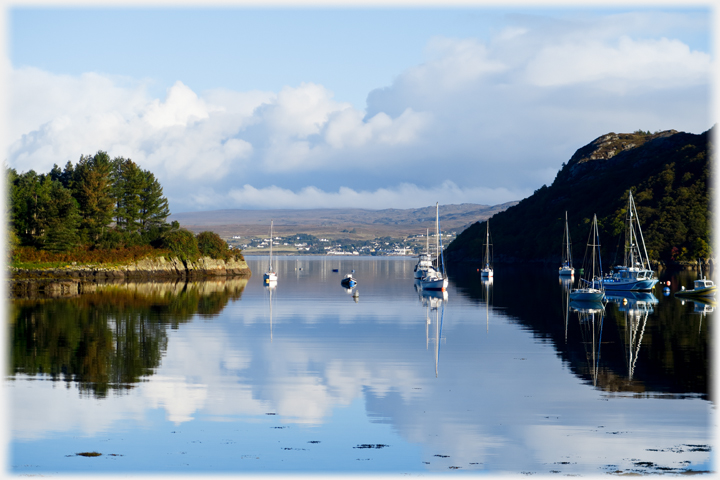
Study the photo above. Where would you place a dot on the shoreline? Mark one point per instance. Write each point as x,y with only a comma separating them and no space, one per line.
70,280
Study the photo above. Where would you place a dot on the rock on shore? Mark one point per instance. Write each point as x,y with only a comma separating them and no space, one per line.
65,281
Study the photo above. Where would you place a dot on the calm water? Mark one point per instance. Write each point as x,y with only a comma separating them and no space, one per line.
231,377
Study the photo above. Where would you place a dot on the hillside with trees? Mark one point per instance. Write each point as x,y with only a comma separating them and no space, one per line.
669,175
99,210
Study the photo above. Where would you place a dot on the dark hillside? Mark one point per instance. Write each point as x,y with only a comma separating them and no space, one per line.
669,174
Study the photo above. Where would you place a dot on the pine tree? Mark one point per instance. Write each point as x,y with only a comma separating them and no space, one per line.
154,208
128,184
92,188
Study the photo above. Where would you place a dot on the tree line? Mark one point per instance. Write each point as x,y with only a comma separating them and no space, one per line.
98,203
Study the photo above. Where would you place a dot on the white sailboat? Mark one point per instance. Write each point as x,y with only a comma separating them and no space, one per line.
566,269
270,275
591,289
487,270
424,264
436,278
635,273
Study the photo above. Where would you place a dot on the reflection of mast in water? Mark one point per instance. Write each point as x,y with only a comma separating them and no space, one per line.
590,316
636,306
487,283
566,284
434,300
270,286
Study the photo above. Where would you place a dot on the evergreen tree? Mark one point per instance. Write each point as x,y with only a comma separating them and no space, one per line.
92,188
154,208
60,230
128,184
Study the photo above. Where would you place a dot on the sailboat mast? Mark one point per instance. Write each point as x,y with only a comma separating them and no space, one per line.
567,242
437,232
487,243
271,242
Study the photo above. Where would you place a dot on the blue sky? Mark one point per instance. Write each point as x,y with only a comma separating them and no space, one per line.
248,107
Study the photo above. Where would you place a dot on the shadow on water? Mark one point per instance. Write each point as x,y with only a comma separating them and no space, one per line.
652,344
111,337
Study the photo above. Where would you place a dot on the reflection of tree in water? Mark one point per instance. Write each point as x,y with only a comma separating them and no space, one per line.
110,338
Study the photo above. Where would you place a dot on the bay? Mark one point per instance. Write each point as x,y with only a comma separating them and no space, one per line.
232,377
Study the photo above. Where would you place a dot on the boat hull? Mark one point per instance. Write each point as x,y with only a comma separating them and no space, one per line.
486,273
627,285
697,292
587,295
348,282
566,272
269,277
434,284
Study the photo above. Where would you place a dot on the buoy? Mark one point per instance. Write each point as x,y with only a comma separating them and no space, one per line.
478,269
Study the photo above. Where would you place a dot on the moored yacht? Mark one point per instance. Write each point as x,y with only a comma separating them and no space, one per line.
635,273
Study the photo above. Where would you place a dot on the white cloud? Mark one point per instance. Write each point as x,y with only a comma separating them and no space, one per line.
402,196
494,118
653,64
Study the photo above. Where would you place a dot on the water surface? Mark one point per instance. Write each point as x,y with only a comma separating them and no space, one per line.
233,377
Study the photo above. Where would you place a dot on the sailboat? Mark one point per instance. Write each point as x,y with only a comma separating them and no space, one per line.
591,288
436,279
424,264
487,270
635,273
566,269
270,275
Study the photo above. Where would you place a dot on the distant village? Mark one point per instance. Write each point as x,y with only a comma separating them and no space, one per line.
305,244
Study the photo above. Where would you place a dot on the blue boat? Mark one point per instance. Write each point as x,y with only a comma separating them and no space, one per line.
348,281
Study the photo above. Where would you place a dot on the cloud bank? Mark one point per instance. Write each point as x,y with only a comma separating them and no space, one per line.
477,121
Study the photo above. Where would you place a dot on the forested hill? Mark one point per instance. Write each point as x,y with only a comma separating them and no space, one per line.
669,174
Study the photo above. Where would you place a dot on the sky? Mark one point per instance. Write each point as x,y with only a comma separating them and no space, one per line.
240,106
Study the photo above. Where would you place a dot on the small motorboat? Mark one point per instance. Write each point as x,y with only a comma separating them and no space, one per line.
348,281
703,288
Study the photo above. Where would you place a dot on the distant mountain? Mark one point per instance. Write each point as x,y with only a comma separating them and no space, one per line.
669,174
372,222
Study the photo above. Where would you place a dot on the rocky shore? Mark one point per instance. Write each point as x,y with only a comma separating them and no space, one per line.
74,279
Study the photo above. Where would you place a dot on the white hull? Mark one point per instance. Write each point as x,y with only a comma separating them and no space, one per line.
486,272
270,277
434,283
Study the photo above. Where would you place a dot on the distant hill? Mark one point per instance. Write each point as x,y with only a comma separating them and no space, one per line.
387,222
669,173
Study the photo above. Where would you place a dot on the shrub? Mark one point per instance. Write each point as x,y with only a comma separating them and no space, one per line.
210,244
182,244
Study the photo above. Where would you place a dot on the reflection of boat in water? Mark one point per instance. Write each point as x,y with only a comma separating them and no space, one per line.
703,305
566,283
270,286
628,300
636,307
590,289
590,316
703,288
349,281
270,275
436,278
487,283
635,273
433,301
